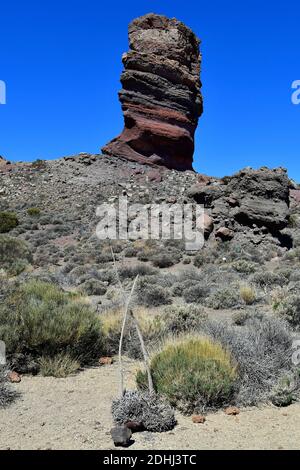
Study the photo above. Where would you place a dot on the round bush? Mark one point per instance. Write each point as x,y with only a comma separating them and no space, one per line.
41,319
193,373
8,221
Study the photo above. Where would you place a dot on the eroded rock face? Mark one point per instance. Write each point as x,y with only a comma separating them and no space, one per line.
258,199
161,99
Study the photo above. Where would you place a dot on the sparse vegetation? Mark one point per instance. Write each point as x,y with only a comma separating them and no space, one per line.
34,212
248,294
41,319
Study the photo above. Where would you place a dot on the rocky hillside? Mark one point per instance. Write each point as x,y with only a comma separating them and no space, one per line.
55,203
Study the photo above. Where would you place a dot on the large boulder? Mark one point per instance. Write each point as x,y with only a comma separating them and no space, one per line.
161,99
250,198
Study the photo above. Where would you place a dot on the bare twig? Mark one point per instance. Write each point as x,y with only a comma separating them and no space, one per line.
139,333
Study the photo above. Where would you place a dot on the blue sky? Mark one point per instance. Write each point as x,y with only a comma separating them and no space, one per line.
61,61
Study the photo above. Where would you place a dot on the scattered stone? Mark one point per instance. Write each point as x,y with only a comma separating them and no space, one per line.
121,436
14,377
161,98
232,411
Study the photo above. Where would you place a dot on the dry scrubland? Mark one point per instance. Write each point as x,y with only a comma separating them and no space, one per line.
219,324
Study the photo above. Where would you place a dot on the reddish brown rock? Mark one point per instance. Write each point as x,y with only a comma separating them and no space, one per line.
224,233
161,99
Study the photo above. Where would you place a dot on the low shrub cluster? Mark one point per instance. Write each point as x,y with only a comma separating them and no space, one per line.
194,373
41,320
8,221
15,254
7,395
150,410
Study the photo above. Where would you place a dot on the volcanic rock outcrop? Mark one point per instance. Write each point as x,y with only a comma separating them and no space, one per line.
161,99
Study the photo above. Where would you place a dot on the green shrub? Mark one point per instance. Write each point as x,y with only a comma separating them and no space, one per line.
227,297
193,373
59,366
244,267
289,309
34,211
165,260
8,221
93,287
248,294
265,279
195,293
41,319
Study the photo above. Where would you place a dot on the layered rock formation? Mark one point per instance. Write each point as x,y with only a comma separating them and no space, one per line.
161,99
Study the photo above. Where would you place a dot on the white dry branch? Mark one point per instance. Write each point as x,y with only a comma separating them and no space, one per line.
138,330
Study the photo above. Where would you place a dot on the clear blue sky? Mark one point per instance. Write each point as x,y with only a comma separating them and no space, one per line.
61,61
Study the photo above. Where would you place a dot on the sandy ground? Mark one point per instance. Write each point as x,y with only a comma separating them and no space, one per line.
74,413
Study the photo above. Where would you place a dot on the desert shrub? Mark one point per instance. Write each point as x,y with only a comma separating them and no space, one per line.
248,294
289,309
130,272
130,252
268,279
93,287
262,348
34,212
153,412
41,319
61,365
14,254
194,373
153,296
7,395
8,221
195,293
293,255
182,318
223,298
244,267
151,327
286,390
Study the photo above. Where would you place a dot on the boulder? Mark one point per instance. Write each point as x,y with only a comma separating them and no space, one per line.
121,436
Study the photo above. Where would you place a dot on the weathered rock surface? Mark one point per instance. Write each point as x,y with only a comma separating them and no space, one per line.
256,199
161,99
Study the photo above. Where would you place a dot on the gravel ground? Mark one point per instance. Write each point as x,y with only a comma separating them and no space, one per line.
74,413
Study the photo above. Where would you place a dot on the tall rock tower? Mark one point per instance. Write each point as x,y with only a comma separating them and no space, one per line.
160,98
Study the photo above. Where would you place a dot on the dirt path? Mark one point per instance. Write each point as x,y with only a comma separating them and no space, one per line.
74,413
